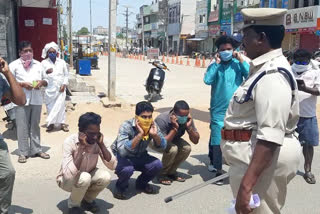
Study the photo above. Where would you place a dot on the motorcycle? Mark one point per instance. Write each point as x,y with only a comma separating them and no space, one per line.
155,79
8,107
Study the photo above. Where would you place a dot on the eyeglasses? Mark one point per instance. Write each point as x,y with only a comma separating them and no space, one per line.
301,62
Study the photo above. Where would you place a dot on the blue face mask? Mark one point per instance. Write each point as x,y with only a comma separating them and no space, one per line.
53,57
182,120
226,55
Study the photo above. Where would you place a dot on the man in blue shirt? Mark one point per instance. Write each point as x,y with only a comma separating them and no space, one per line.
14,92
130,148
225,75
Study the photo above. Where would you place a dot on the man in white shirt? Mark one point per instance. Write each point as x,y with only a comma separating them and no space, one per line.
307,74
56,72
29,74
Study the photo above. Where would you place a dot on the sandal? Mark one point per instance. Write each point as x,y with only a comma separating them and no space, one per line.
164,180
42,155
50,128
64,128
176,177
22,159
309,177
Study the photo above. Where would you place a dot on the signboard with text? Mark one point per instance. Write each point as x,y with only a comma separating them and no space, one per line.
302,18
153,53
214,30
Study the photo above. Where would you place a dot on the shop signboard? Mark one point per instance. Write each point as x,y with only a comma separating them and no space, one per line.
226,29
238,17
305,17
214,30
214,16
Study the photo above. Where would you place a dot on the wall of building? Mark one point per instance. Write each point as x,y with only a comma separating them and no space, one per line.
7,30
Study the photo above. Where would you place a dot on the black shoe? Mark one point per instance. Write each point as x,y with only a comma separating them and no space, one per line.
219,182
148,189
91,207
118,194
75,210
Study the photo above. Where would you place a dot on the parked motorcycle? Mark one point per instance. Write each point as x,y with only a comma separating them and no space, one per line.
8,107
155,79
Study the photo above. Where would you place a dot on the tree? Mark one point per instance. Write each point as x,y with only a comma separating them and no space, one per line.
65,35
83,31
120,36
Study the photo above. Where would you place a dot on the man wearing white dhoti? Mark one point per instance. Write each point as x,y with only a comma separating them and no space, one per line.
55,94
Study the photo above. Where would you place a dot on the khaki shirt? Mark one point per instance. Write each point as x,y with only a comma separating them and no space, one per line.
273,110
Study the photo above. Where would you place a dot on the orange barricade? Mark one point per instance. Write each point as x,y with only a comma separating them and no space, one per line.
172,60
203,62
181,62
188,61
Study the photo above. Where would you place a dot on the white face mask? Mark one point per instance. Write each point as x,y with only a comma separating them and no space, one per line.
300,68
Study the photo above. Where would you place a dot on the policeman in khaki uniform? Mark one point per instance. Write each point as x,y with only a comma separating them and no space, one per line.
258,141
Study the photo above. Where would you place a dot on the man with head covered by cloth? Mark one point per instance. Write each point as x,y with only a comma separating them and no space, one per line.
257,138
55,94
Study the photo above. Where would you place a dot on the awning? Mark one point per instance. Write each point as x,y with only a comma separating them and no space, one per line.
196,39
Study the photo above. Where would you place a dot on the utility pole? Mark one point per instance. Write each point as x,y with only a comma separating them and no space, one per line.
142,33
127,25
91,26
70,32
127,14
232,17
59,23
112,50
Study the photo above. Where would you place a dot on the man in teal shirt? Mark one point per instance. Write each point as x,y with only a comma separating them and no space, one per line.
225,75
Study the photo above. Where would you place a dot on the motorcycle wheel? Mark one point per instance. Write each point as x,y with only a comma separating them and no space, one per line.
151,96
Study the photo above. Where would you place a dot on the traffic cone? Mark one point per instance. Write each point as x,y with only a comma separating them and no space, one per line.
181,62
172,60
168,60
163,58
196,62
188,61
177,59
203,62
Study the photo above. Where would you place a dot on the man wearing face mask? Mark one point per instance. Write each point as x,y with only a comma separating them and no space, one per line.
224,76
307,74
29,74
55,94
130,148
79,174
174,124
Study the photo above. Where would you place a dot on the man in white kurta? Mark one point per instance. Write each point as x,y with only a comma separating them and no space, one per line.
55,94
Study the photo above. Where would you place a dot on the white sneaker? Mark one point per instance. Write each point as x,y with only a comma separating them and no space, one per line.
211,168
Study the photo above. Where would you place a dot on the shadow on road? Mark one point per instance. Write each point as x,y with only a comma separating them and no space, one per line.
15,209
201,169
103,205
131,191
197,114
10,134
44,149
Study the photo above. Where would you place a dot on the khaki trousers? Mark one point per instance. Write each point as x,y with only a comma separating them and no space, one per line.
272,184
175,153
86,186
